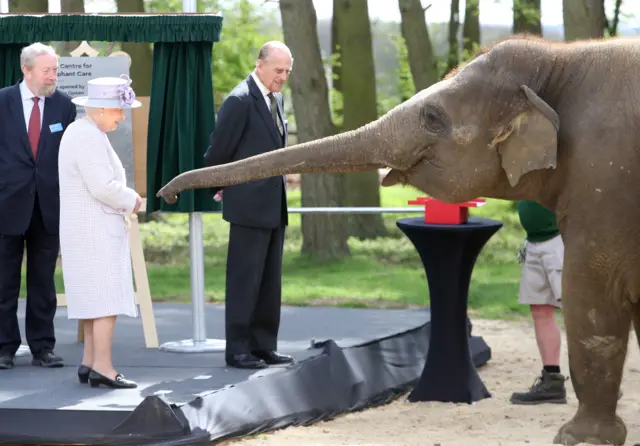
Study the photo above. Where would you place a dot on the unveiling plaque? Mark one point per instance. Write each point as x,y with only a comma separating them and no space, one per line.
73,75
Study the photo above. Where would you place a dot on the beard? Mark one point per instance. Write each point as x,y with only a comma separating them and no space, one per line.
47,90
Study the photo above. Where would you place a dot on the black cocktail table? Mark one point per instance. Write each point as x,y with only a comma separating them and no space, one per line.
448,254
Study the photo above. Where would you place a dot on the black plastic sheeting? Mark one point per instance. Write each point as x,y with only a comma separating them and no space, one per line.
152,422
334,382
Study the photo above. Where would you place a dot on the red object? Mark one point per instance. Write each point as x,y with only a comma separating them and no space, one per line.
439,212
34,127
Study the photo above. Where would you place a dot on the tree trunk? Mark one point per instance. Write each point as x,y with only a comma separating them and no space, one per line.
583,19
141,55
336,59
335,50
358,83
612,25
323,235
453,59
471,27
424,69
526,17
17,6
65,48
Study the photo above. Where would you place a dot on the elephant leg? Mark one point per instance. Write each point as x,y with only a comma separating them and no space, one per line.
597,327
635,316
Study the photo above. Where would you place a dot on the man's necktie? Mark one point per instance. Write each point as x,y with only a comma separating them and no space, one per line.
274,111
34,127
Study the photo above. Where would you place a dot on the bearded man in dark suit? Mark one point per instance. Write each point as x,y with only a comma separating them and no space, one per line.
34,117
250,122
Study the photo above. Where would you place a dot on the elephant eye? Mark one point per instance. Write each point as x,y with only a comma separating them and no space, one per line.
433,119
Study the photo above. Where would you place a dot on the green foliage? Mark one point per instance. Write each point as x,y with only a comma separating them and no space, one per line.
386,272
382,273
524,10
402,72
244,30
467,54
245,27
399,75
159,6
336,103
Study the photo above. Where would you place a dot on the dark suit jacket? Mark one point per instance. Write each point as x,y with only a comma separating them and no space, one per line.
245,128
21,176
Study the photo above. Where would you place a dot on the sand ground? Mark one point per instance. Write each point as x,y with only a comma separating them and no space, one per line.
494,421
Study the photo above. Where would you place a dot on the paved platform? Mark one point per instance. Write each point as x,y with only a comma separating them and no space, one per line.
181,377
346,359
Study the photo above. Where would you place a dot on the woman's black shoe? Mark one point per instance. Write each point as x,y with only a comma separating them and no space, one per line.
83,373
95,379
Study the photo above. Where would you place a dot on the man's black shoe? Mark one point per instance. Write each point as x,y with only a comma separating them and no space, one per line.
245,361
47,359
272,358
6,362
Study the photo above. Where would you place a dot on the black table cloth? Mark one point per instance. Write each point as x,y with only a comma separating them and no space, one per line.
448,254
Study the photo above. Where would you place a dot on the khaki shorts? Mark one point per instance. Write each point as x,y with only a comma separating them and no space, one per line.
541,281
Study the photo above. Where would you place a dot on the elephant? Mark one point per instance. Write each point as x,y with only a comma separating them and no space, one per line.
527,119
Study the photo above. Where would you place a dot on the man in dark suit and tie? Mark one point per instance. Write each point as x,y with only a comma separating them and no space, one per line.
250,122
34,117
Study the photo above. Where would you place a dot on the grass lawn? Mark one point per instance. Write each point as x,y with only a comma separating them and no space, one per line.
381,273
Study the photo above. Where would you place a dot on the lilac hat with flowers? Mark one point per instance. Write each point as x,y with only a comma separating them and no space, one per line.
109,92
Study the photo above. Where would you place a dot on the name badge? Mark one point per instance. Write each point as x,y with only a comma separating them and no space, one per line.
54,128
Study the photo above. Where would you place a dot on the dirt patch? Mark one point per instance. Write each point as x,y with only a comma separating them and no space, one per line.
494,421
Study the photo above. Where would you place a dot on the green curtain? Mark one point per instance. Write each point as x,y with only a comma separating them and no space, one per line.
181,119
10,71
181,115
110,28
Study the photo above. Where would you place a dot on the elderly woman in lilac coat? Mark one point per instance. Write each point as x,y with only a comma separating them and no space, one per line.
95,205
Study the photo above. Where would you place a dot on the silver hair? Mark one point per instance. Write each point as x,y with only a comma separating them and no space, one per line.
29,53
267,47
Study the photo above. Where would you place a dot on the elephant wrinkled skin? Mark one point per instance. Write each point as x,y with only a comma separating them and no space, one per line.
528,119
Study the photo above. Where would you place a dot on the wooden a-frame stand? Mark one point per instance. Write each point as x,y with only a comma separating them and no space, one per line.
141,281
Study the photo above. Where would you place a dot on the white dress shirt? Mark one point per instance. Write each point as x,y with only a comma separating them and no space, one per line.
27,104
264,90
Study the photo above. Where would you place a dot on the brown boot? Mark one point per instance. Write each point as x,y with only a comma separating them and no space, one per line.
548,388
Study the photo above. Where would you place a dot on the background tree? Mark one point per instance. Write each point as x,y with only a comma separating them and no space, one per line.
612,25
471,27
424,69
527,17
583,19
453,59
17,6
66,6
358,84
323,235
141,53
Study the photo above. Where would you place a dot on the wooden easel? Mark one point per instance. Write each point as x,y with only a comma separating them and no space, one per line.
141,283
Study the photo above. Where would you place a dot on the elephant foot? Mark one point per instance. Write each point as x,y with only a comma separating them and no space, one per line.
592,431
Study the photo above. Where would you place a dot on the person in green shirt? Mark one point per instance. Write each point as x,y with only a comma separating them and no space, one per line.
540,288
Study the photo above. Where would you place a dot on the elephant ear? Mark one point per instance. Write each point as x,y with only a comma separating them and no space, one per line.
530,141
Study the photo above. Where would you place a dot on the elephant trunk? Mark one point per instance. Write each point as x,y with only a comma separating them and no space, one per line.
357,150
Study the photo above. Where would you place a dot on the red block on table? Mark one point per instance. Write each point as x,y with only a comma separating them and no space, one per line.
439,212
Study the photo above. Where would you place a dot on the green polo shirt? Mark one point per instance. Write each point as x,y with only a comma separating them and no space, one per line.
538,221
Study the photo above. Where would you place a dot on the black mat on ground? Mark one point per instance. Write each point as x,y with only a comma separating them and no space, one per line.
361,358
